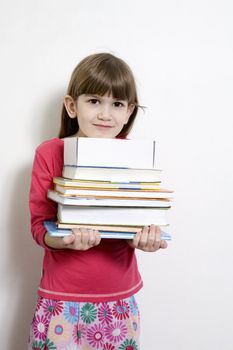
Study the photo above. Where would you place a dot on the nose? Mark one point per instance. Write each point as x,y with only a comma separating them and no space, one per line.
104,113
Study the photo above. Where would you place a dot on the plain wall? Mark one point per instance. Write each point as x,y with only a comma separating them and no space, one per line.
181,53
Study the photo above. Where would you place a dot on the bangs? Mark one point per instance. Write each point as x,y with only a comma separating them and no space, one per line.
112,81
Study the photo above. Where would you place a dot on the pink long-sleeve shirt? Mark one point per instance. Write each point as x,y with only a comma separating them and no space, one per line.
103,273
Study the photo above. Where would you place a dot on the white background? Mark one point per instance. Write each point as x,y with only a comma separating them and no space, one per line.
182,55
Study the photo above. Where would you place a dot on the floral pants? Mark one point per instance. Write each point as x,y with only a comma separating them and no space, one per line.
63,325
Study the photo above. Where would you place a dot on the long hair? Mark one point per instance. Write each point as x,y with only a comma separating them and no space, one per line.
99,74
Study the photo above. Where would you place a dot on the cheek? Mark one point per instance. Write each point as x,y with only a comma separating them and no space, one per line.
122,117
126,118
83,118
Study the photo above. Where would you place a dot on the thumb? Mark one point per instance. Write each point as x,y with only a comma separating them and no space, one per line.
69,239
163,244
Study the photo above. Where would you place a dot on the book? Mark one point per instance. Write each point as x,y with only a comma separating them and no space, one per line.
113,193
113,228
112,215
111,174
54,231
101,227
115,202
111,184
98,152
69,183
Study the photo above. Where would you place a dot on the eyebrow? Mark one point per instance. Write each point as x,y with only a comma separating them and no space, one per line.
99,96
90,95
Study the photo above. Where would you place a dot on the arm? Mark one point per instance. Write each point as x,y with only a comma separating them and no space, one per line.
148,239
42,208
80,239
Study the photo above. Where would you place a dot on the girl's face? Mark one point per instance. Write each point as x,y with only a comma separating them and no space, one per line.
99,116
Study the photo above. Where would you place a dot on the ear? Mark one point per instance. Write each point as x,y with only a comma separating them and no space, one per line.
129,112
70,106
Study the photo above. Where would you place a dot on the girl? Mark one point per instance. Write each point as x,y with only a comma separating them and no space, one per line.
86,294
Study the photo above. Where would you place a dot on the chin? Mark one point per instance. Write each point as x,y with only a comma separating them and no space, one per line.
102,135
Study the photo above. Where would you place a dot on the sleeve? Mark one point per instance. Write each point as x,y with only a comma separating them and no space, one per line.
41,208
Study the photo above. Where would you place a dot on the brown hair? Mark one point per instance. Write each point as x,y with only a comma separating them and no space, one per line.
99,74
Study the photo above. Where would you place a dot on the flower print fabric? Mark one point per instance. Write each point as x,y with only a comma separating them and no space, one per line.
62,325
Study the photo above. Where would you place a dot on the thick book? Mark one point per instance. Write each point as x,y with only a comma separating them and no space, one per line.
54,231
120,153
111,174
114,202
70,184
113,228
113,193
112,215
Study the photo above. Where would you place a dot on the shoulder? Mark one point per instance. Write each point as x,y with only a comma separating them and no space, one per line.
49,156
50,147
50,144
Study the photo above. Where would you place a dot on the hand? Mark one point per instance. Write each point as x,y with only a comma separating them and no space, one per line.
80,239
148,239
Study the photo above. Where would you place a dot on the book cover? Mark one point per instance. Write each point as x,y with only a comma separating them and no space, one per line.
98,201
119,153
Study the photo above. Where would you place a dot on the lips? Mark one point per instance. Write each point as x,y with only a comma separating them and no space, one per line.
103,126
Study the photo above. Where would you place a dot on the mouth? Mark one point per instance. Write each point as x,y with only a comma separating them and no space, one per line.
103,126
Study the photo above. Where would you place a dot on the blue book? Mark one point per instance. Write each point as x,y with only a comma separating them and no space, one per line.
54,231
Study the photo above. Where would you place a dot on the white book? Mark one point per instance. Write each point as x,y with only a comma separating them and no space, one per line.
112,215
125,193
104,152
111,174
117,202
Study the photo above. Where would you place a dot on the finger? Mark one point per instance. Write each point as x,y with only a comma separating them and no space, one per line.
97,237
151,237
77,233
163,245
135,242
84,237
144,237
157,234
157,242
92,235
69,239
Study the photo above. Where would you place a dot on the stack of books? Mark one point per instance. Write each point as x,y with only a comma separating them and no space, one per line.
110,185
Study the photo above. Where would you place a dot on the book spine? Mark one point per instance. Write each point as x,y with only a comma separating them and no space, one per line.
153,165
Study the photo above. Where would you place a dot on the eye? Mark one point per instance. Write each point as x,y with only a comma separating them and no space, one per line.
93,101
118,104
